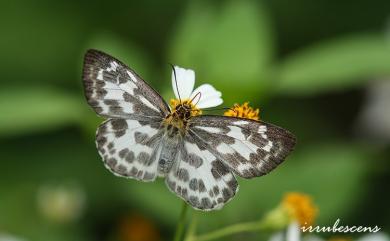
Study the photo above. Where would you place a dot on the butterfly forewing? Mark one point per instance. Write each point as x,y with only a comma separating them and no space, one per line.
200,178
114,90
250,148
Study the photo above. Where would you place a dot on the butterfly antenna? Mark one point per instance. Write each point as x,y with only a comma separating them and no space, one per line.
197,94
177,87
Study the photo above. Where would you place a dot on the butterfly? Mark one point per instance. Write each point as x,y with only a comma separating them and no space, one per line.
198,155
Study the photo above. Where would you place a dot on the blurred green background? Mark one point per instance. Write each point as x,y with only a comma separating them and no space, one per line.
320,69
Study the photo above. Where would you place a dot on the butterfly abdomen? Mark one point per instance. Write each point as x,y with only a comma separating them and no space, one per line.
169,152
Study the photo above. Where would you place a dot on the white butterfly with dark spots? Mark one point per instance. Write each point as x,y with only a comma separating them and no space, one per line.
199,155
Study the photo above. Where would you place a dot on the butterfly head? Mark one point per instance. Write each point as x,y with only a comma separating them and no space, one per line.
184,109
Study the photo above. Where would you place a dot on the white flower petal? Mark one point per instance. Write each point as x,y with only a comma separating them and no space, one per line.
206,90
185,82
209,103
293,232
209,96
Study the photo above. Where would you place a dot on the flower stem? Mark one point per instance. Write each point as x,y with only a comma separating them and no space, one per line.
190,235
180,224
232,229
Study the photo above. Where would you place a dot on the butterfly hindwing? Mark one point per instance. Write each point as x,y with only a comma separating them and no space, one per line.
114,90
199,178
250,148
130,148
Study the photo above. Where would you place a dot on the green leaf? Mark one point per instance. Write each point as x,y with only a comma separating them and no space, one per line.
335,65
37,109
230,46
44,54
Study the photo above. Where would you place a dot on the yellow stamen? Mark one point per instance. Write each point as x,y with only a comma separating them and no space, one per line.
243,111
300,208
194,110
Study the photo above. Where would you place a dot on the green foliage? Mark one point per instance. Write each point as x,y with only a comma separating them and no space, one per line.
206,40
38,42
335,65
30,110
230,44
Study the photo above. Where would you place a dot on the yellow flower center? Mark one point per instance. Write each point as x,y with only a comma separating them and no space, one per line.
187,103
300,207
243,111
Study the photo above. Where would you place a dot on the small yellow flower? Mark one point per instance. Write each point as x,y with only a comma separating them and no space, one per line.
243,111
300,208
295,207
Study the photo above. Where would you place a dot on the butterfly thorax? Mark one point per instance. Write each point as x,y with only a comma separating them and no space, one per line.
176,122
